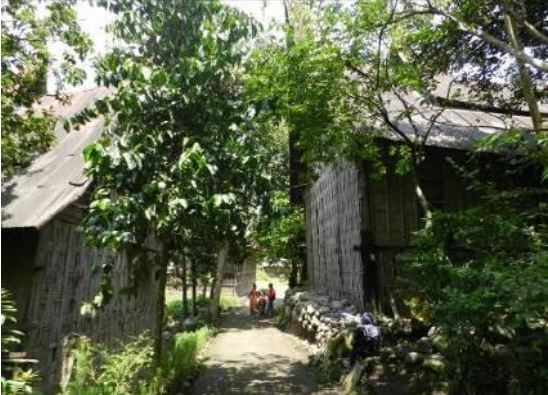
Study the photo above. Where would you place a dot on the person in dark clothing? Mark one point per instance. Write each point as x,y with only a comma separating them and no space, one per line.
271,297
367,339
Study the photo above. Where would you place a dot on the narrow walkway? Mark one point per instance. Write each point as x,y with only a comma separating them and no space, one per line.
251,356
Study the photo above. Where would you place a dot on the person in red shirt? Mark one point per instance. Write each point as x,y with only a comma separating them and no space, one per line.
271,297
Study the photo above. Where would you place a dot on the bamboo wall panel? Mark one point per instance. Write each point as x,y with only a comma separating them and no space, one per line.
334,233
239,278
65,278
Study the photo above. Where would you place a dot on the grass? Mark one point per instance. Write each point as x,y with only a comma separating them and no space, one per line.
174,308
182,360
229,302
130,369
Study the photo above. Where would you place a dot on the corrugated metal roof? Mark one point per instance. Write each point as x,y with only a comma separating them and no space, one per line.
55,179
454,128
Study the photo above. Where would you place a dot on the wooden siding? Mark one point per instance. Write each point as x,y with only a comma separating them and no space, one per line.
63,279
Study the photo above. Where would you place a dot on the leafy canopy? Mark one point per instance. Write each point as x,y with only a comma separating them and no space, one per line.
179,155
26,61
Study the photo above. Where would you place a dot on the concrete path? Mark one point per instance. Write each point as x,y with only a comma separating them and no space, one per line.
251,356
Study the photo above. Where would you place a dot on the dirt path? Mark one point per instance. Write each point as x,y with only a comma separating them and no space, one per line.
251,356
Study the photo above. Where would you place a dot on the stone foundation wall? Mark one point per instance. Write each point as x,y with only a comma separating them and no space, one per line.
410,360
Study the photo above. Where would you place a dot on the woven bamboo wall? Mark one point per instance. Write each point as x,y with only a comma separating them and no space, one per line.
333,228
238,278
62,281
358,224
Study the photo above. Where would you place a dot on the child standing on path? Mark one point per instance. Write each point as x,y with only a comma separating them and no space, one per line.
271,297
252,296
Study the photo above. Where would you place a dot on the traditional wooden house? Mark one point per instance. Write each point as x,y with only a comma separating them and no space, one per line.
46,264
357,224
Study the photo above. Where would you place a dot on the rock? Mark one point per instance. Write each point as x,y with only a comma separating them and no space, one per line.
502,351
440,343
351,380
323,310
315,322
305,295
402,350
350,310
435,363
432,331
345,362
413,358
442,388
294,315
424,345
377,370
187,384
310,309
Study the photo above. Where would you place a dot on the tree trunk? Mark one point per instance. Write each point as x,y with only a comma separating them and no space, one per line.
526,84
161,300
185,288
216,289
194,285
293,274
204,289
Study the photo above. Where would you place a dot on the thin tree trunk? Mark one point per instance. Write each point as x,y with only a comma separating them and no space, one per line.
194,285
222,256
161,300
293,274
526,84
204,289
185,288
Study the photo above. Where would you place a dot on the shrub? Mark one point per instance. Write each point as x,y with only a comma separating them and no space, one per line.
130,369
481,276
15,380
182,360
127,370
174,310
228,302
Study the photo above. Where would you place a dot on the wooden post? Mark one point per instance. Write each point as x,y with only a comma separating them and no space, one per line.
222,256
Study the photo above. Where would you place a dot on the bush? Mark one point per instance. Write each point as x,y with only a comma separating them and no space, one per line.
130,369
15,379
127,370
229,302
182,360
174,310
481,276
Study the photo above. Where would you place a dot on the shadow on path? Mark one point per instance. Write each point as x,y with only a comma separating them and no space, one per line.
251,356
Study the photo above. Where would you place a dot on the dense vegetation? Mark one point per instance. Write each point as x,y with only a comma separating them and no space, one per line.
347,75
194,158
26,62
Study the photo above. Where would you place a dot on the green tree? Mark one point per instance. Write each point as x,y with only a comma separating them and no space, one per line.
178,156
26,61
